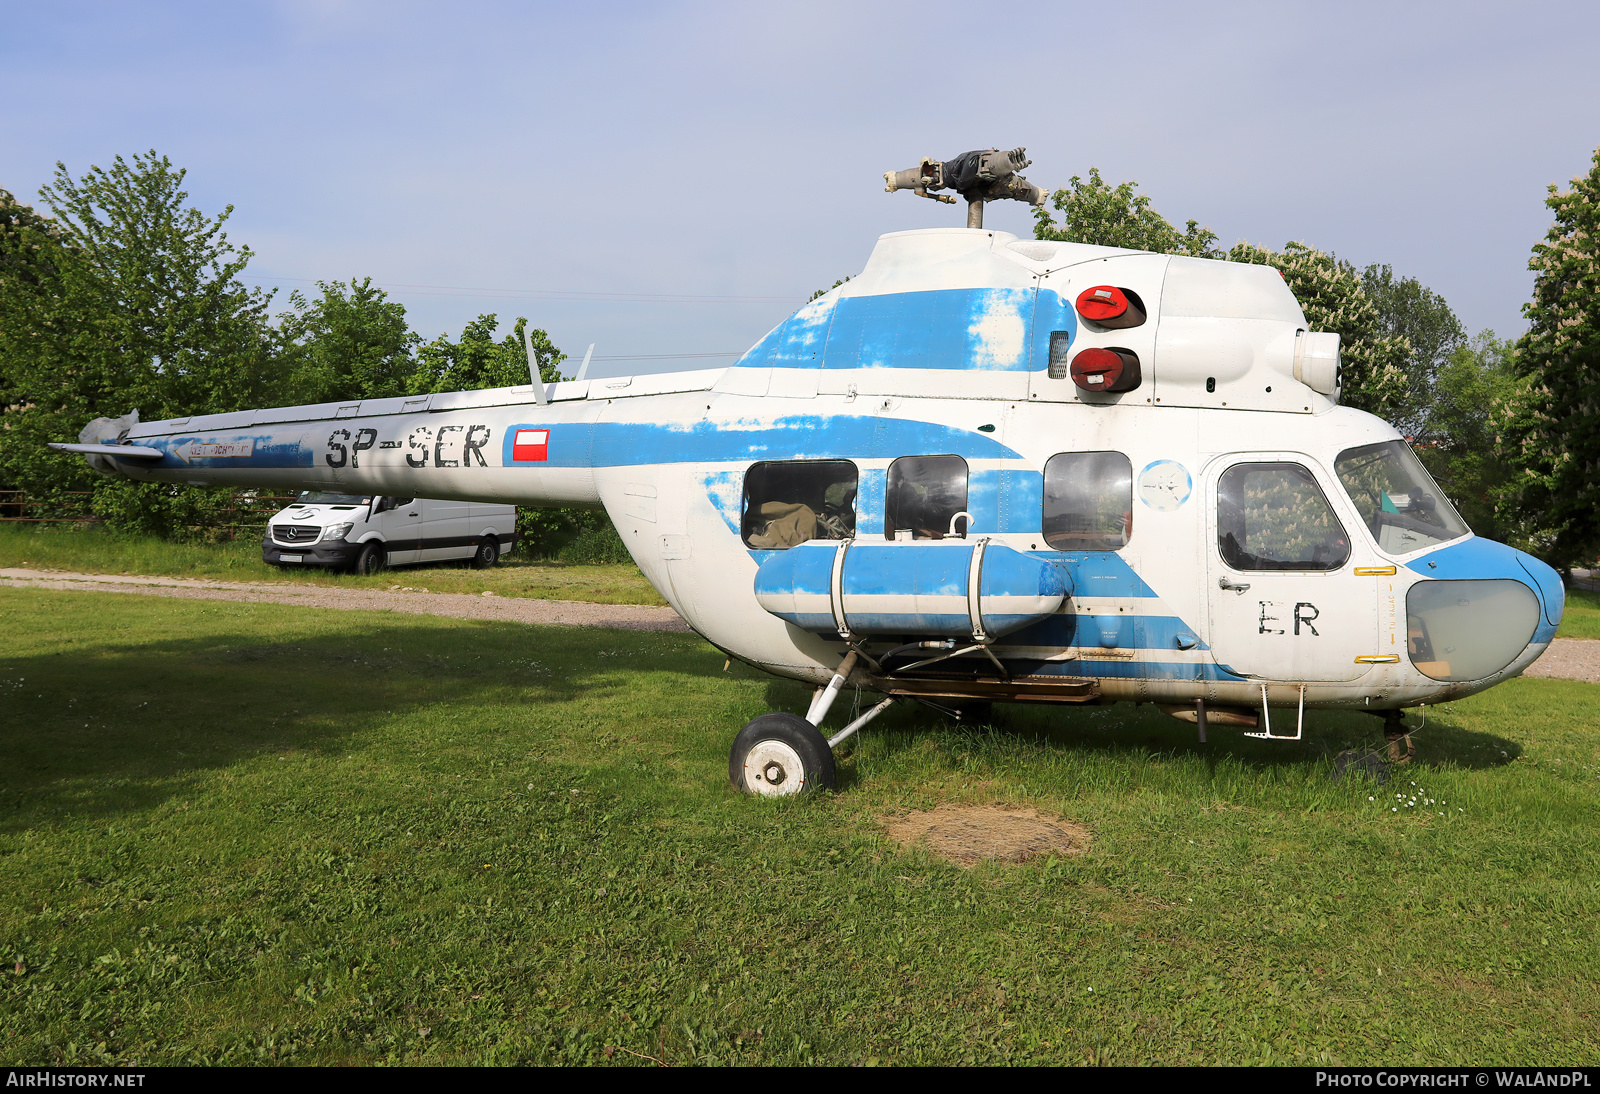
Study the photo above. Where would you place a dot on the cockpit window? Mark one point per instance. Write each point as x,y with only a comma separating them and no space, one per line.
1397,498
1273,516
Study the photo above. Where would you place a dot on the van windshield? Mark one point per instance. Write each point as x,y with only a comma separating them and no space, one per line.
321,497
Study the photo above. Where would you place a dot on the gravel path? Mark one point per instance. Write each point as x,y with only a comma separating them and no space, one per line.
571,613
1569,659
1566,659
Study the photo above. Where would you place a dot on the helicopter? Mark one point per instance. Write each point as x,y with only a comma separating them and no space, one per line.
985,469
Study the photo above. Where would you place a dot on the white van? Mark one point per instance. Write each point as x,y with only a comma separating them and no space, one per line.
365,533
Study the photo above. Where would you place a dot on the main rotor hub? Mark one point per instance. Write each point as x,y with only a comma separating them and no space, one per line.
986,174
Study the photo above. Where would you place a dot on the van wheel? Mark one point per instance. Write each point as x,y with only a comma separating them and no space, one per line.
372,558
488,554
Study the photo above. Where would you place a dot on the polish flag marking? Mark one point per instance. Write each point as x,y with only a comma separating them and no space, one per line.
531,444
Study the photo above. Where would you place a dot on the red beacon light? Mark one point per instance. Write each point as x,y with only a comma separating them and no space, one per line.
1111,307
1106,370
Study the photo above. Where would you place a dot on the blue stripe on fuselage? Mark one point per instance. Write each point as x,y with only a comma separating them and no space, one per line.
1099,573
1479,559
1087,629
798,437
978,330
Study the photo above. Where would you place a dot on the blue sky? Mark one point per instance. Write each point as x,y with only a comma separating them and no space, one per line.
635,156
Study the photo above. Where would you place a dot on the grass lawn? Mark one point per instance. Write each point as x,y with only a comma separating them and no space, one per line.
251,832
1582,616
240,560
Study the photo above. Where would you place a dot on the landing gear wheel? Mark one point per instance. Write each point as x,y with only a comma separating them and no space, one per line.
778,755
372,558
488,554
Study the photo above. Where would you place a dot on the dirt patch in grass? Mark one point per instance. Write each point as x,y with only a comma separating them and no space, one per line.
969,834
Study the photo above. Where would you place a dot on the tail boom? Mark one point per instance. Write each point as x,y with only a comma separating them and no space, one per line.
498,445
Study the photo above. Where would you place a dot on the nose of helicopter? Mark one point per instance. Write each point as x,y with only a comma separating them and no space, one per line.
1485,607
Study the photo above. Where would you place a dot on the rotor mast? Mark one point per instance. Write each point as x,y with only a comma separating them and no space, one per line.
986,174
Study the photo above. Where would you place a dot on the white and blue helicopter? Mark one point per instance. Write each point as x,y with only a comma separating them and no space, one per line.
986,469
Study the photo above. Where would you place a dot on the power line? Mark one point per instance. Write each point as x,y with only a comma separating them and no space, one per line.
663,356
550,294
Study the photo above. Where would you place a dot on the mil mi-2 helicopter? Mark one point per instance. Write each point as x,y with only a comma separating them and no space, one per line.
985,469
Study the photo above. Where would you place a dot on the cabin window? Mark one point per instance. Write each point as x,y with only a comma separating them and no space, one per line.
788,503
1088,501
923,496
1274,516
1395,495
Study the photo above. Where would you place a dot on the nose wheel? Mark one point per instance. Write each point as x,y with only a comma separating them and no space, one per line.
779,755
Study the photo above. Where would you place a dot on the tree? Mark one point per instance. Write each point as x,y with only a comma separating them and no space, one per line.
351,342
1331,295
824,292
141,309
1552,420
1394,332
30,262
478,361
1460,449
1118,216
1408,309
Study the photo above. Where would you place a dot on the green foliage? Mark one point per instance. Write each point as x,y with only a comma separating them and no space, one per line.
1410,310
478,360
597,543
130,299
1331,294
31,255
1119,216
1459,449
351,342
138,307
823,292
571,535
152,307
1552,420
1395,333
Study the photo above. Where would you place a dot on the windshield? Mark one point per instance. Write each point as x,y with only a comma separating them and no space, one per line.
1397,498
319,497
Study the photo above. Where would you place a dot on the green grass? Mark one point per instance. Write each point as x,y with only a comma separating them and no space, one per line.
234,833
1582,616
240,560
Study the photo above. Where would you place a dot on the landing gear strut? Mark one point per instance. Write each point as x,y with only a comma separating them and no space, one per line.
781,754
1395,731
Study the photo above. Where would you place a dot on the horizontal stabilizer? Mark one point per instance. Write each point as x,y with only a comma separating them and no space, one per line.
121,451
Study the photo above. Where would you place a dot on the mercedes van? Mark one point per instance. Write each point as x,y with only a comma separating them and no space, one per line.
365,533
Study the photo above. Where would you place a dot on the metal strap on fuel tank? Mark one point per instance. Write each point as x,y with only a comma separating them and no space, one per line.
836,591
975,591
